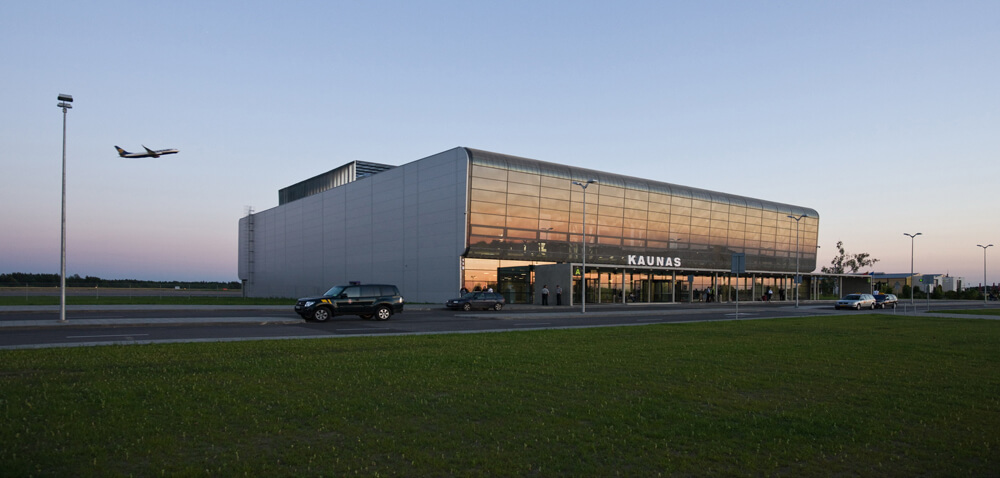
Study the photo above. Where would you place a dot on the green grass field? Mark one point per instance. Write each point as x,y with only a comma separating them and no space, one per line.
869,395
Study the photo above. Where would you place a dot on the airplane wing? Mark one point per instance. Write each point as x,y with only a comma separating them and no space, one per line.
151,152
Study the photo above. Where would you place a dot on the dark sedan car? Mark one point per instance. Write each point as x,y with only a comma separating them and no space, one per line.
477,300
886,301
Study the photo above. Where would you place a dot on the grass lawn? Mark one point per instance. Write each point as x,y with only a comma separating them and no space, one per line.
868,395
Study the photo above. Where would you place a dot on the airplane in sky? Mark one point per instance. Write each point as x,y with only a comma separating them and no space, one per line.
148,154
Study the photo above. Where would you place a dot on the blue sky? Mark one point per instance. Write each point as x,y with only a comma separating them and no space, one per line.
882,116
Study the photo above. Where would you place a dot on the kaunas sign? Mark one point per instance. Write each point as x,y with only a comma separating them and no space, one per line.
654,261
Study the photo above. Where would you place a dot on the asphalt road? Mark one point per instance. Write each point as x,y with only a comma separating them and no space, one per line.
39,327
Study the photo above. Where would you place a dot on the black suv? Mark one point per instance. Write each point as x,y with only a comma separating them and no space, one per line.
364,300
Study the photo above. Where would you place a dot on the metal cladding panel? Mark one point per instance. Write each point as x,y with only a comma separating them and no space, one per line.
403,226
388,235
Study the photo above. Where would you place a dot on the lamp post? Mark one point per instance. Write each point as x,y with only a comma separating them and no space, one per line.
583,273
985,287
64,103
912,237
796,281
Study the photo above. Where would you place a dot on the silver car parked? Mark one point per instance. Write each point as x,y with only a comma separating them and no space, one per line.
856,301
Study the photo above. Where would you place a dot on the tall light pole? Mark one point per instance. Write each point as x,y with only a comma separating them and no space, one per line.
64,103
912,237
796,281
985,296
583,273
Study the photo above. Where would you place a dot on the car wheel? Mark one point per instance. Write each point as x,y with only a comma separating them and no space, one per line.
857,306
383,313
322,314
466,306
366,316
497,306
873,306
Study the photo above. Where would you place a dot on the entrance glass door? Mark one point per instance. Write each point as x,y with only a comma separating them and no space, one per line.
661,288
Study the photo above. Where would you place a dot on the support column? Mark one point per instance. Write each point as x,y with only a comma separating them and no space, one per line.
673,287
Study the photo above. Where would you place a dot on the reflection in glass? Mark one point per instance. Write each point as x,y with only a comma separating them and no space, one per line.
534,215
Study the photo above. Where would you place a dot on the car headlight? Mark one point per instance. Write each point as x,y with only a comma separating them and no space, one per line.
309,303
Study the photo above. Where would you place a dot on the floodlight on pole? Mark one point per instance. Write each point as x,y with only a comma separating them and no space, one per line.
583,273
912,237
985,286
797,279
64,103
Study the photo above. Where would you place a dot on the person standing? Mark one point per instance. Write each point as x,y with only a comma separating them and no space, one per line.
558,295
769,294
545,295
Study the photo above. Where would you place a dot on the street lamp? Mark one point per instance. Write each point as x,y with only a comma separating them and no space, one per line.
64,103
797,280
984,271
583,273
912,237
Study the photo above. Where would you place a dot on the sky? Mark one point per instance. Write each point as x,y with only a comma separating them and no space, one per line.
883,116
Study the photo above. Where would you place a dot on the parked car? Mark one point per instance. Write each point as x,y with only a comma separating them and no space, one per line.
364,300
856,301
884,301
477,300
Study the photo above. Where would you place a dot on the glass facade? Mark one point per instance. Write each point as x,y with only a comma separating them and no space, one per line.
525,210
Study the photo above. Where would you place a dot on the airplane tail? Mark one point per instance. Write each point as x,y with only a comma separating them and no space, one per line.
121,152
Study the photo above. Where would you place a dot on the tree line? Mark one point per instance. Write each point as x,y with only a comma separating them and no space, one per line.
23,279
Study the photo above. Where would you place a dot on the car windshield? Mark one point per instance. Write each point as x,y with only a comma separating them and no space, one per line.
335,291
853,297
469,295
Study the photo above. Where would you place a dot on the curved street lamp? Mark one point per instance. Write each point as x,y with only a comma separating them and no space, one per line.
797,278
912,237
985,296
583,274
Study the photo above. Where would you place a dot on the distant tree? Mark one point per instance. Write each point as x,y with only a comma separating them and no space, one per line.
844,263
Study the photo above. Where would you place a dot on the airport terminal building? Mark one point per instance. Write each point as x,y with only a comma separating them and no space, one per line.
476,219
